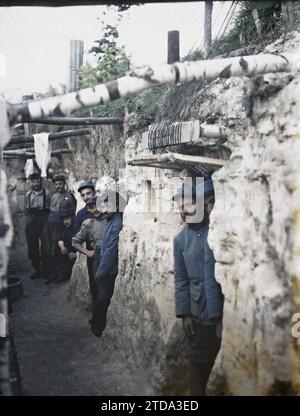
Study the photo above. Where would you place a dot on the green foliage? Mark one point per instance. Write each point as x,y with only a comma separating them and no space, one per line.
244,32
112,63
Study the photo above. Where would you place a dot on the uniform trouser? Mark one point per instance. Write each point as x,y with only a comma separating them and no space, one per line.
204,348
105,290
90,266
36,243
64,266
51,238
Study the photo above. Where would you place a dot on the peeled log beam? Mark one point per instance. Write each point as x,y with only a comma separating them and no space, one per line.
150,76
53,136
78,121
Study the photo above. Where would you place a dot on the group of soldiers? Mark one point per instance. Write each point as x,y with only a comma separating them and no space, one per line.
55,234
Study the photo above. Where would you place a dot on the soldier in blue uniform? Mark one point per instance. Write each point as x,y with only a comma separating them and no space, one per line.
198,296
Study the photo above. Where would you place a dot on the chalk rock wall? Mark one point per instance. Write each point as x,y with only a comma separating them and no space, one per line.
255,237
6,235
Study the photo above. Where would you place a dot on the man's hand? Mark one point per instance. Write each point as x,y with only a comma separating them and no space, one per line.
97,276
188,326
90,253
72,255
63,251
87,222
219,328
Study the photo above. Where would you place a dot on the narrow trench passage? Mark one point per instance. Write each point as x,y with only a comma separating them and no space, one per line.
57,354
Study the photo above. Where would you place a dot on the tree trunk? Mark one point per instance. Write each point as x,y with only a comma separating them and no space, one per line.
207,27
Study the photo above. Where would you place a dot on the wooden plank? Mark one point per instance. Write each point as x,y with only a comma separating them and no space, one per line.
176,158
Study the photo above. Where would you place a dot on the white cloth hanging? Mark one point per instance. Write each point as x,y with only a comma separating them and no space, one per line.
29,168
42,152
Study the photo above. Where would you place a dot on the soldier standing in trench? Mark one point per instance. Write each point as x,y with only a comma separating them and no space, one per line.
198,296
83,217
91,233
61,200
107,211
111,204
37,204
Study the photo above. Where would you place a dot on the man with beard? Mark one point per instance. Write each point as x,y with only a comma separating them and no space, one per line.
37,204
112,205
198,296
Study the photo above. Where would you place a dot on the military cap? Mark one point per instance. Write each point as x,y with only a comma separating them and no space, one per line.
192,191
34,176
66,213
86,184
59,178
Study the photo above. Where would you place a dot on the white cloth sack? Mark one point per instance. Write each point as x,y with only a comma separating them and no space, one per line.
42,152
28,168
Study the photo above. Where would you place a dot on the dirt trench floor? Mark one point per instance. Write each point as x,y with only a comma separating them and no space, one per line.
56,352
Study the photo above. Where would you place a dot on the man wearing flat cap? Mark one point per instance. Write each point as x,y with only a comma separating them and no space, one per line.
87,190
198,296
37,204
61,200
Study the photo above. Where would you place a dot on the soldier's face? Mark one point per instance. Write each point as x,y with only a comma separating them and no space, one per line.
67,221
36,184
93,210
107,209
87,193
59,186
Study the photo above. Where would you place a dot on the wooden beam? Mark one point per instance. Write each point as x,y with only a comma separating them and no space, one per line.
175,159
80,121
23,153
52,136
173,47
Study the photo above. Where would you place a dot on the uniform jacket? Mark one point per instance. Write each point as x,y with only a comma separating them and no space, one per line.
81,215
109,250
60,201
197,293
92,234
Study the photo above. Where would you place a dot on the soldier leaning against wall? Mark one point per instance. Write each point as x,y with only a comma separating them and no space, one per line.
83,218
103,234
198,296
37,204
91,233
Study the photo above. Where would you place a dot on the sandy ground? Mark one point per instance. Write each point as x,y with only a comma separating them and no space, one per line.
57,354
